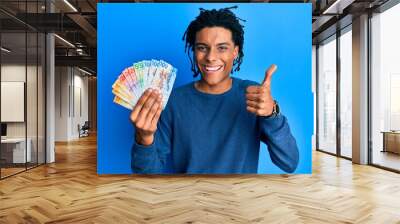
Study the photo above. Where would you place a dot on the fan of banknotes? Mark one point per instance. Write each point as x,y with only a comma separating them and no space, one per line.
134,80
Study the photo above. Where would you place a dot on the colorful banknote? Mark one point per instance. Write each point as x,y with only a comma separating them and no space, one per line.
142,75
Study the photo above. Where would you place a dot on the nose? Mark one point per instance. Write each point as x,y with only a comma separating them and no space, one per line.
211,55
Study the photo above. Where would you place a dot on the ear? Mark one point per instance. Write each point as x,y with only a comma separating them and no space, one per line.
236,52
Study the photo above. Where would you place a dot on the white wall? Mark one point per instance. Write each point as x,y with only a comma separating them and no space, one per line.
61,103
80,110
71,94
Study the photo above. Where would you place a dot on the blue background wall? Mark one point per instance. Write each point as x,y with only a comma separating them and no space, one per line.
274,33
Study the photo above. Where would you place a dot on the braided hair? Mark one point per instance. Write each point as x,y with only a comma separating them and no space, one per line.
215,18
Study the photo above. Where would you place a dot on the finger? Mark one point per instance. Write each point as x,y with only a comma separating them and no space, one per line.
253,89
155,118
139,105
151,114
153,98
257,111
256,105
141,120
268,75
252,110
258,97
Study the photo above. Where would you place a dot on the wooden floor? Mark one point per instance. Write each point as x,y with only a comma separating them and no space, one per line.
9,171
387,159
70,191
5,172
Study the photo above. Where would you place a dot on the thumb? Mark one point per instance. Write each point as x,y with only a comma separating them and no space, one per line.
268,75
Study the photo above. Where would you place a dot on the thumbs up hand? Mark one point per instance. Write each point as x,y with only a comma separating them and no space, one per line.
258,98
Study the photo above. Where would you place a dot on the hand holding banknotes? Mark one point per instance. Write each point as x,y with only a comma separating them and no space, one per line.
144,88
145,116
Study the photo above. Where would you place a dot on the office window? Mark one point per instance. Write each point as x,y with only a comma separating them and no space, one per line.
22,91
13,147
385,88
346,92
327,95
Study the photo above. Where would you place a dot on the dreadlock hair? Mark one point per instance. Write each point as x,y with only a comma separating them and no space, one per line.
215,18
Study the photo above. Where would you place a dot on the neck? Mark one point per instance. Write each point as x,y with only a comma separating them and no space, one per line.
220,88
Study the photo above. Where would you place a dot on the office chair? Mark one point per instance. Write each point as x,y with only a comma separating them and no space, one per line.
84,130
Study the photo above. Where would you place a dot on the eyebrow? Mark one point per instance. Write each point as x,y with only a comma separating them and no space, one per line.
219,44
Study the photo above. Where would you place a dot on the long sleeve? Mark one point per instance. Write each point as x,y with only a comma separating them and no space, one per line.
153,158
201,133
282,147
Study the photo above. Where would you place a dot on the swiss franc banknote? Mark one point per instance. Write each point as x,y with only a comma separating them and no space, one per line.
142,75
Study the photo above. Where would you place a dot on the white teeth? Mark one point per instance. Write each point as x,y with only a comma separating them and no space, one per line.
213,68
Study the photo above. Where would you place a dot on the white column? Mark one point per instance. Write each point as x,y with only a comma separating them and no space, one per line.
360,90
314,92
50,93
50,100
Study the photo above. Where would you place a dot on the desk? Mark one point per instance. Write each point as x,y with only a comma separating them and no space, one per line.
391,141
17,150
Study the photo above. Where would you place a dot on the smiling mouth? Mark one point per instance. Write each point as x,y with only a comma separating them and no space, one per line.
213,68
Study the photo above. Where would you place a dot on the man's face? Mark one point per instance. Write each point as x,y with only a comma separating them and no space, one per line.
214,53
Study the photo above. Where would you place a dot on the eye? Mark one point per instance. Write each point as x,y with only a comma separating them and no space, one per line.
201,48
222,48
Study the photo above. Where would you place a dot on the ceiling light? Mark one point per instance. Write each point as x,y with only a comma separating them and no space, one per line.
65,41
337,7
84,71
70,5
5,50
